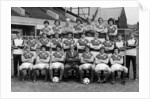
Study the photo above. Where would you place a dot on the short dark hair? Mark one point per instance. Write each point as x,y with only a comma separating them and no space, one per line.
57,21
111,19
100,18
78,19
102,48
115,49
46,22
87,47
58,46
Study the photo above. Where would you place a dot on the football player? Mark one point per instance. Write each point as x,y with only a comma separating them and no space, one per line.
66,29
56,41
56,28
101,61
47,29
89,28
58,58
68,42
131,53
78,29
27,59
87,63
101,29
95,44
45,41
116,62
42,63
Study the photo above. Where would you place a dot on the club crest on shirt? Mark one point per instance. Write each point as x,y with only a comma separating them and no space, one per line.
96,42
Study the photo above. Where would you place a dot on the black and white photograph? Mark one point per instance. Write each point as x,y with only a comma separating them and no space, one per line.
75,49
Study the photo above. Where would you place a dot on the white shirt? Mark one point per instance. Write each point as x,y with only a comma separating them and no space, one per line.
18,42
133,51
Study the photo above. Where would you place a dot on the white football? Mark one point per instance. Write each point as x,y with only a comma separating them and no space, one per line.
55,79
86,81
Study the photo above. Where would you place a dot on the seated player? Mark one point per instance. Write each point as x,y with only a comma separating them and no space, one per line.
116,62
27,59
47,29
82,42
89,29
95,44
101,29
78,29
66,29
101,61
56,41
109,46
71,62
87,59
68,42
42,63
45,41
58,58
120,44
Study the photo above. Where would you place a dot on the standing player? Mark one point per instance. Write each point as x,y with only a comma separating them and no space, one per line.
131,54
27,59
95,44
101,61
112,28
101,29
78,29
42,63
17,45
58,58
45,41
56,28
71,62
66,29
68,42
47,29
87,63
56,41
116,62
89,29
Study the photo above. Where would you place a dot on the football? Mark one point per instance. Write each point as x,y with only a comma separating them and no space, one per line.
55,79
86,81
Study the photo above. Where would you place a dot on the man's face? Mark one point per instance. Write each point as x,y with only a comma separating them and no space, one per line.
87,49
44,35
110,23
67,23
89,20
28,49
56,35
132,36
43,49
57,23
78,22
19,35
100,21
116,51
31,37
95,36
69,35
46,24
58,49
72,48
119,38
102,51
83,35
107,38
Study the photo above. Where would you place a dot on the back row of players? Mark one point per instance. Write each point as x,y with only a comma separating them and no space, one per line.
80,54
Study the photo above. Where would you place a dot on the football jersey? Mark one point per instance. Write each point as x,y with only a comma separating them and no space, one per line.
86,55
44,41
46,30
102,56
67,29
116,57
133,50
108,43
56,29
95,42
31,43
56,41
100,27
111,29
27,55
120,44
78,27
89,27
69,42
44,55
131,41
83,42
58,54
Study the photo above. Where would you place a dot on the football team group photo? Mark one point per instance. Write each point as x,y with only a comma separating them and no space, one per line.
74,49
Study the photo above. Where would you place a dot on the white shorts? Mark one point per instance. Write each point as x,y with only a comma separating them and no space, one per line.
86,66
103,67
118,67
26,66
57,65
41,66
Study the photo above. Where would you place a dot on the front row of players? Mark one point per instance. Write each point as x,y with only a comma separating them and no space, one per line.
62,62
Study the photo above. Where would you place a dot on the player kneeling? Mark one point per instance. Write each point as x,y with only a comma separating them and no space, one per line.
57,62
87,60
101,61
117,61
42,62
27,59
